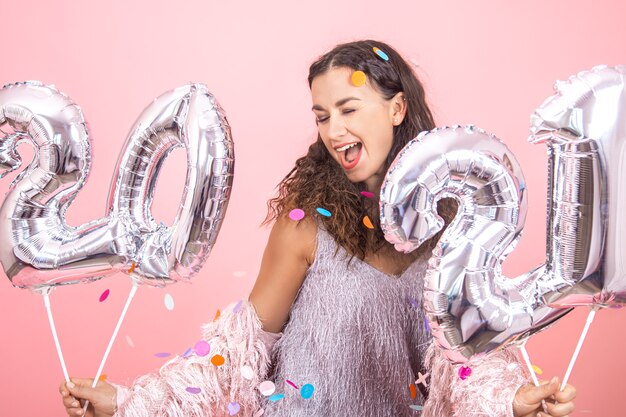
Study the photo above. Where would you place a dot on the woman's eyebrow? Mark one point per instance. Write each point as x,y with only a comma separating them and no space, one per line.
337,104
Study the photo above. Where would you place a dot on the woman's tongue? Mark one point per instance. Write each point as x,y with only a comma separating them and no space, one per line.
351,153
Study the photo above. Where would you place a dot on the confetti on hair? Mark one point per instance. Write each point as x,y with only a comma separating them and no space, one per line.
217,315
276,397
537,370
381,54
414,303
267,388
416,407
202,348
291,383
296,214
307,391
367,222
132,268
426,325
413,391
193,390
162,354
130,341
188,353
367,194
217,360
323,212
169,302
421,379
233,408
247,372
103,377
358,78
104,295
464,372
237,306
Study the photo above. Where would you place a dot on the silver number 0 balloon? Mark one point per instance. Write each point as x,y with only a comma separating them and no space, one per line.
39,250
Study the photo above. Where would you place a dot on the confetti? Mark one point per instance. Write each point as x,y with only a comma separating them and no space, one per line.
237,306
103,377
233,408
162,354
367,222
465,372
104,295
291,383
240,274
217,315
202,348
193,390
169,302
132,268
416,407
358,78
414,303
323,212
307,391
188,353
267,388
217,360
381,54
296,214
426,325
413,391
421,379
537,370
247,372
367,194
130,341
276,397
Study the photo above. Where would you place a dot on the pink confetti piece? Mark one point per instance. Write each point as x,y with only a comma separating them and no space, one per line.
104,295
367,194
162,354
130,341
291,383
464,372
267,388
202,348
296,214
193,390
239,274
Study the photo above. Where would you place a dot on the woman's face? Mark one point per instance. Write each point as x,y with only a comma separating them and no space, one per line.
356,124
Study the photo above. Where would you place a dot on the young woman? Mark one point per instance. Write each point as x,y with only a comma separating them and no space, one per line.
335,318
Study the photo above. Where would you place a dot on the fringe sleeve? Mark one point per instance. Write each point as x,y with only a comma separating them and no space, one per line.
488,391
237,336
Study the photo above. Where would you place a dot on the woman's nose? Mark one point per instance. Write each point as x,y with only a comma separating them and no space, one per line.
336,127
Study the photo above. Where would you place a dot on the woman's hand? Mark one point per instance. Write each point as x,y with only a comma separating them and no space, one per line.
102,398
527,402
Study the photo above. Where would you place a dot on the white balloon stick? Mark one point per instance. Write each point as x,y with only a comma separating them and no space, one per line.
583,335
46,301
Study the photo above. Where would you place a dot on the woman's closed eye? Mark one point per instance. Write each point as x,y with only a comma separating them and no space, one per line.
325,118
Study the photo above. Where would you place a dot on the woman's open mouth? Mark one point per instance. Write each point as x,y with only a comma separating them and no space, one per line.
349,154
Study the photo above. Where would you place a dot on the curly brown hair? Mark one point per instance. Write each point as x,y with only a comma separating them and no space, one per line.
317,180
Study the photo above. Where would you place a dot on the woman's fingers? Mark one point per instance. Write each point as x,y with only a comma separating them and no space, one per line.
560,410
568,394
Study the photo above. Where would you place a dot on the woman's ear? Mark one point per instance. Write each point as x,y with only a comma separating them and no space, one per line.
398,108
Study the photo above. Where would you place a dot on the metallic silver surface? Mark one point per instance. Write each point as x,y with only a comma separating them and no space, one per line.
38,250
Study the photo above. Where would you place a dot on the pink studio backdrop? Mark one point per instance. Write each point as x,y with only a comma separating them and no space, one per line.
484,62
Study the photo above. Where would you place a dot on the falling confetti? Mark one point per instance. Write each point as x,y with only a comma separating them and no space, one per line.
416,407
421,379
188,353
237,306
276,397
358,78
202,348
307,391
381,54
217,360
104,295
323,212
103,377
132,268
247,372
193,390
291,383
169,302
233,408
162,354
413,391
465,372
239,274
367,222
130,341
367,194
537,370
217,315
267,388
296,214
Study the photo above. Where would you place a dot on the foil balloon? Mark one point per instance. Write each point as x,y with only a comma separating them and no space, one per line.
472,308
38,250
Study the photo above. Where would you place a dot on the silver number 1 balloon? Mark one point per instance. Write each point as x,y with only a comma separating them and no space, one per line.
471,306
39,250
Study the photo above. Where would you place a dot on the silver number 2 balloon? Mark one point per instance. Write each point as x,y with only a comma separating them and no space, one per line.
472,308
38,250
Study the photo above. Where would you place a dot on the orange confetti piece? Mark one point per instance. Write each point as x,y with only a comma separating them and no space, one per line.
217,315
103,377
217,360
537,370
413,391
132,268
367,222
358,78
